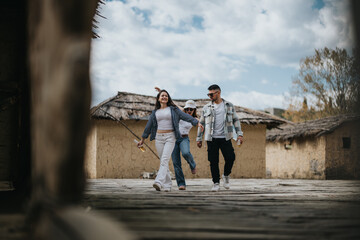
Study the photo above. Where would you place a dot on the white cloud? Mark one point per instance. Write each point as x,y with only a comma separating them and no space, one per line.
332,26
264,81
256,100
154,42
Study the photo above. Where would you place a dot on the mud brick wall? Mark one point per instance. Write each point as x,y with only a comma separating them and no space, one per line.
112,153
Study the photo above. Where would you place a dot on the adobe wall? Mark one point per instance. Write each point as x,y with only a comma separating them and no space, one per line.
250,157
117,154
343,163
118,157
90,153
305,160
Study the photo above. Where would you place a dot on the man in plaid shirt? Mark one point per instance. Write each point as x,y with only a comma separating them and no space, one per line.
219,120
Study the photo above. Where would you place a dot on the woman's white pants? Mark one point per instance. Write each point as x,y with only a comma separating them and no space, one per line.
164,143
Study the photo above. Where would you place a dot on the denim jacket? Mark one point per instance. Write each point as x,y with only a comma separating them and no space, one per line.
176,115
231,120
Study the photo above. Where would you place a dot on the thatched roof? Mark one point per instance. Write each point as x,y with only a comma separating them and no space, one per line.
313,128
126,106
94,21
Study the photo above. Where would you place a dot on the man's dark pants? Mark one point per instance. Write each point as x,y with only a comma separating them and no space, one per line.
227,151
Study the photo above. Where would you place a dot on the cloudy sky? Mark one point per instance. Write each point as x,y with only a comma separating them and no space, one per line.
250,48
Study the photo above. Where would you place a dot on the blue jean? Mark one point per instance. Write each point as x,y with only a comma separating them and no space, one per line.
183,145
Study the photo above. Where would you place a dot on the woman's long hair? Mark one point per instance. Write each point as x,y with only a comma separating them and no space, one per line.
169,103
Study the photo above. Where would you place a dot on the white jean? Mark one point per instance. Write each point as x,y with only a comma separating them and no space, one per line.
164,143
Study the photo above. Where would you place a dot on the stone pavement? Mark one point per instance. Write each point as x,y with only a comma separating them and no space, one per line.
251,209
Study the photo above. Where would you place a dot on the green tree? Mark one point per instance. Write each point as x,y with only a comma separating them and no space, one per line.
331,79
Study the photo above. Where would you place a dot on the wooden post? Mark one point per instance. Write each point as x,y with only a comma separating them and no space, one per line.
59,38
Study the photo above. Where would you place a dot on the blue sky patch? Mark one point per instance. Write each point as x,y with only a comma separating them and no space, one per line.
197,22
318,4
144,13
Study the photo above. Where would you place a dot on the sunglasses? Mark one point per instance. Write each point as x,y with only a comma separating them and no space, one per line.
212,94
189,109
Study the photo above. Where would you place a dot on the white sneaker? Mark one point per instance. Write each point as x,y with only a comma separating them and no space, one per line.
167,189
226,180
157,186
216,187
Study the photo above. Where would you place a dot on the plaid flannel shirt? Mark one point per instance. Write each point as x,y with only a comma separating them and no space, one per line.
230,118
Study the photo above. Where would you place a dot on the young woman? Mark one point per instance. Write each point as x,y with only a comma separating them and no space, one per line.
182,145
163,126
